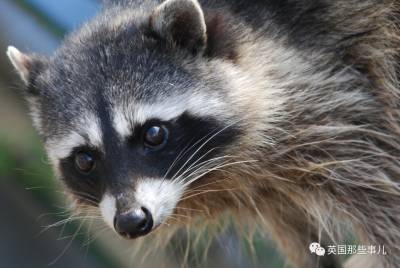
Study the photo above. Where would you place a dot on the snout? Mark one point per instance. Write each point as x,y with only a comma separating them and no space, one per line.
137,214
133,224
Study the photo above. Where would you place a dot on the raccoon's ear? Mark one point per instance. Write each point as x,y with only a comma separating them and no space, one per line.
27,66
180,22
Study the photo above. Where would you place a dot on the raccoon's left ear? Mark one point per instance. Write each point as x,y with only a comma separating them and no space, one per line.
180,22
27,66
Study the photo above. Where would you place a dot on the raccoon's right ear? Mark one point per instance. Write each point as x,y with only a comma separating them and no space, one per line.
27,66
181,23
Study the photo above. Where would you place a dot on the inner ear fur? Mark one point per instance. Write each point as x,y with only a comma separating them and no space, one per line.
221,36
181,23
184,24
27,66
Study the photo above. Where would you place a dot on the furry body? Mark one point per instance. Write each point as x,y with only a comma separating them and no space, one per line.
301,99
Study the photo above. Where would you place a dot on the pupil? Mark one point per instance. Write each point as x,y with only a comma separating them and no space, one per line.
84,162
155,135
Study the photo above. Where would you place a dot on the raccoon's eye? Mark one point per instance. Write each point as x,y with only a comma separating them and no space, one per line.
155,136
84,162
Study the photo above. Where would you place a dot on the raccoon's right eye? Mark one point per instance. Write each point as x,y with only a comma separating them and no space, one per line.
84,162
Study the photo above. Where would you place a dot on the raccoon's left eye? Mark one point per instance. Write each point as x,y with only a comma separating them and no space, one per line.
84,162
155,136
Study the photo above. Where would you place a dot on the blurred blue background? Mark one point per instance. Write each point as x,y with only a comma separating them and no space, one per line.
31,199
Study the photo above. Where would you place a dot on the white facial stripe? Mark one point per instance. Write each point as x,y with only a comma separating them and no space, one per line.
108,209
61,148
158,196
121,123
138,113
160,111
92,128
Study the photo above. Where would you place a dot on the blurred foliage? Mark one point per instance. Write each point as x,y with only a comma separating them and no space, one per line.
27,167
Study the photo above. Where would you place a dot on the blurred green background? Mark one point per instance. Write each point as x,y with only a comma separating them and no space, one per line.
31,199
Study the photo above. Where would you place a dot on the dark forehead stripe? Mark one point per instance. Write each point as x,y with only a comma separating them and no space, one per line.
104,111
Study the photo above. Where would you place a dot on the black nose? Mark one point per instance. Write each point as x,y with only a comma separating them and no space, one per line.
134,224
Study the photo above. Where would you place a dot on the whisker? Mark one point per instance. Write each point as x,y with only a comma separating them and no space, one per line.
67,246
180,215
200,165
216,168
208,191
204,144
191,209
207,184
96,236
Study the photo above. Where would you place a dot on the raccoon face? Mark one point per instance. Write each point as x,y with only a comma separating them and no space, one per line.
127,116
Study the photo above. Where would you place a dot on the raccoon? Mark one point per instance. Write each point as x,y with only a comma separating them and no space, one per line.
284,114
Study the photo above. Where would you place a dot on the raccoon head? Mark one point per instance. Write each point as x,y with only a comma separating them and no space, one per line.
136,109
